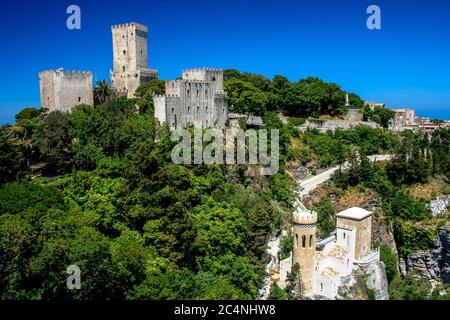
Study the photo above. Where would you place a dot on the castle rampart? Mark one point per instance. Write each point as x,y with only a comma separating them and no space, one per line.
62,89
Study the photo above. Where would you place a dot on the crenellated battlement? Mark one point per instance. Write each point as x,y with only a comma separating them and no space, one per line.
67,74
304,216
147,70
138,26
203,69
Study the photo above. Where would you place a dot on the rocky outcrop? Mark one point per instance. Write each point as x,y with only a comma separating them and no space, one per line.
433,265
439,205
444,236
357,285
377,281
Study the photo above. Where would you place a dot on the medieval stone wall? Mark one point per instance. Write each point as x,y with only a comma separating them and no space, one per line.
63,90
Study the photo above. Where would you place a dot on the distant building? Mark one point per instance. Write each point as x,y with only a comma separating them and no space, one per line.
403,117
62,90
130,58
198,99
374,105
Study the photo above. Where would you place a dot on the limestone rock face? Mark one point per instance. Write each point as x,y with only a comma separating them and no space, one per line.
444,236
439,205
377,281
433,265
372,276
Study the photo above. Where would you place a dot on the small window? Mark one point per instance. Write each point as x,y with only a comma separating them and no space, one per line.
321,286
198,93
343,235
310,241
123,68
142,53
198,110
173,110
296,240
173,85
189,93
123,37
189,110
303,241
124,52
79,99
206,109
206,93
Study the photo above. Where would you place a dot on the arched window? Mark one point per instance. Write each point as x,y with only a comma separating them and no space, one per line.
296,240
123,68
124,52
79,99
304,241
310,241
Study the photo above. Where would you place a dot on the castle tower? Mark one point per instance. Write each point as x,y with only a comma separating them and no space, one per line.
197,98
304,246
62,90
360,220
130,58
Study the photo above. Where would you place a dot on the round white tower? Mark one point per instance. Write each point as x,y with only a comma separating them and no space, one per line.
304,247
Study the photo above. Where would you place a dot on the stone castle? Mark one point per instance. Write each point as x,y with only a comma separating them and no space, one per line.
62,90
130,58
198,98
324,265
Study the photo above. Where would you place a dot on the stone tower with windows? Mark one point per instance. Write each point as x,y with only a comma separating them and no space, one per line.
62,90
304,237
198,98
130,58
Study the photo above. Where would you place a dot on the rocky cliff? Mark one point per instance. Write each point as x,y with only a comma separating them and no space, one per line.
365,281
433,265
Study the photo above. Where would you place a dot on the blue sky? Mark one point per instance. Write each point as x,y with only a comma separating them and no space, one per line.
406,63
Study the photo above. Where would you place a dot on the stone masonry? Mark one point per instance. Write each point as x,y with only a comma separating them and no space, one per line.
130,58
62,90
198,99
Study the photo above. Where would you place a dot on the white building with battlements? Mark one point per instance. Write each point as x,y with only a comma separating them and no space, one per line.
324,264
197,98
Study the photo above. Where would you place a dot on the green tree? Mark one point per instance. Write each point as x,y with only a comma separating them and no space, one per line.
276,293
102,91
